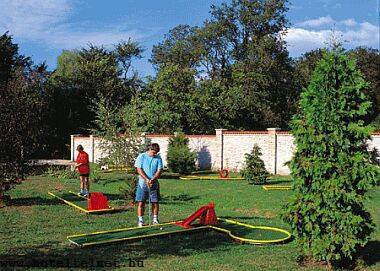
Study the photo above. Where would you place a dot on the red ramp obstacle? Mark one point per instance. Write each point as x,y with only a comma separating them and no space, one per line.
97,201
206,215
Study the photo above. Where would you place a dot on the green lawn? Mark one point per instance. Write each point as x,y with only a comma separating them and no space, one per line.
35,227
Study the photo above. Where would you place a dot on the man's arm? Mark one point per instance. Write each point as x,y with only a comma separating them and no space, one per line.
142,174
157,175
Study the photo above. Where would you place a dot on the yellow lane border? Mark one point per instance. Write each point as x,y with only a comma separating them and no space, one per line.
77,206
277,187
216,228
194,177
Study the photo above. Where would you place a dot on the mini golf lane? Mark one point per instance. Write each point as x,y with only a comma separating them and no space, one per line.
78,202
238,231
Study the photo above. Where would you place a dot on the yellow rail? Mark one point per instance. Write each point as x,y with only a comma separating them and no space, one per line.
194,177
216,228
277,187
77,206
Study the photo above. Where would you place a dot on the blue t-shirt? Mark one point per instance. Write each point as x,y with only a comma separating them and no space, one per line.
150,165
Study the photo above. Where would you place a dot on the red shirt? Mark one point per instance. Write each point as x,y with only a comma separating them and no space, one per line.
82,158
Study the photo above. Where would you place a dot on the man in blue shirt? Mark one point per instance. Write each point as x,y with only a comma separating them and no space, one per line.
149,167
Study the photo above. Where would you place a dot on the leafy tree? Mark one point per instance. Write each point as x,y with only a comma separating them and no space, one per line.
23,109
239,55
165,106
125,52
368,62
67,65
178,48
121,141
10,59
254,171
180,158
85,77
332,168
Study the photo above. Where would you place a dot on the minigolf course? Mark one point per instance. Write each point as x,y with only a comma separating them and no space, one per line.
204,219
95,204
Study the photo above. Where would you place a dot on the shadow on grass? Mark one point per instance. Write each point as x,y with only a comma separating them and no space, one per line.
114,196
243,218
278,182
178,199
371,253
30,201
104,181
120,254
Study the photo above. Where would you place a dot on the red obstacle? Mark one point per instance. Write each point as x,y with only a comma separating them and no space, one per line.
97,201
206,215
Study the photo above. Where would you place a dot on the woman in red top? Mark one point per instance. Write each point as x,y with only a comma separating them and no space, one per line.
83,167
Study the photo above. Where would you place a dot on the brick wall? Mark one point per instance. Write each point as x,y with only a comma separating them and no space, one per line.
225,149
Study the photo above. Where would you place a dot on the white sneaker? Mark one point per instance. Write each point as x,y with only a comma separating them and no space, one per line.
140,224
155,222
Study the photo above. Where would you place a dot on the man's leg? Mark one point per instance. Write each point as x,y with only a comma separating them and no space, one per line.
140,213
140,198
155,207
86,185
154,197
140,208
81,178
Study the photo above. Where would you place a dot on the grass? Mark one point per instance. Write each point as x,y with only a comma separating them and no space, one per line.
35,227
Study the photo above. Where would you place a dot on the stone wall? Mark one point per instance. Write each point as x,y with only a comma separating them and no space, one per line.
225,149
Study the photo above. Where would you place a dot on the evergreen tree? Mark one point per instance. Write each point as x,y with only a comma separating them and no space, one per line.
254,171
180,158
332,168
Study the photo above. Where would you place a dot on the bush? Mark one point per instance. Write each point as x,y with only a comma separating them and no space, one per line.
56,172
128,192
254,171
332,168
95,172
180,159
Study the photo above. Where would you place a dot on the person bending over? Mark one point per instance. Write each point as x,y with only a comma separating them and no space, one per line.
83,167
149,167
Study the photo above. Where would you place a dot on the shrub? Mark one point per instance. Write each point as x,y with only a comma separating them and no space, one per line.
95,172
180,159
56,172
128,192
332,168
254,171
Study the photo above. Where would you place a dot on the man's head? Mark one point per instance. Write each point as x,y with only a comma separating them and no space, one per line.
153,149
80,148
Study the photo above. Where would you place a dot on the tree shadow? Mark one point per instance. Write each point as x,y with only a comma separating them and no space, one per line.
371,253
178,199
105,182
278,182
170,175
30,201
114,196
118,254
243,217
204,158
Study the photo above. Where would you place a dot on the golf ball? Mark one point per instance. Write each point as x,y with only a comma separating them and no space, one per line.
161,228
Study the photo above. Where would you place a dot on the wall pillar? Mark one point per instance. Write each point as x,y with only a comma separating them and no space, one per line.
272,147
92,149
220,146
72,153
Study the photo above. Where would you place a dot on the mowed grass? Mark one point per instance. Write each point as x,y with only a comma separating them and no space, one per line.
35,227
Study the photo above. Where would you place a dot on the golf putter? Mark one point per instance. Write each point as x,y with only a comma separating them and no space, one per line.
150,207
